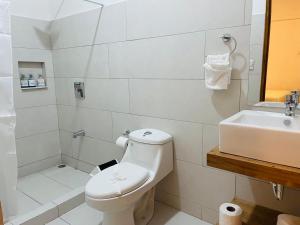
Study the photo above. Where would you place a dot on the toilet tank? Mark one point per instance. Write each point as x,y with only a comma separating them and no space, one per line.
152,149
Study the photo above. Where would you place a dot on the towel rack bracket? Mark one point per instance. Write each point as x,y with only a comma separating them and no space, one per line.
227,38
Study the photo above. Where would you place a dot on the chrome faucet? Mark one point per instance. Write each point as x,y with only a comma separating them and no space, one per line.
291,103
80,133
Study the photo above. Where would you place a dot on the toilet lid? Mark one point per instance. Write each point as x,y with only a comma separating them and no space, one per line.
116,181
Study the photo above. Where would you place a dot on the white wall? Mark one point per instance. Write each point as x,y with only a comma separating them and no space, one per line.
36,9
145,70
50,9
259,7
37,135
8,161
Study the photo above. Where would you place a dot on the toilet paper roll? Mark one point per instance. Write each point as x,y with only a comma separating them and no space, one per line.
122,142
230,214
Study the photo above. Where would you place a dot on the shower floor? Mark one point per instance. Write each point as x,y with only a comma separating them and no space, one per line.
44,187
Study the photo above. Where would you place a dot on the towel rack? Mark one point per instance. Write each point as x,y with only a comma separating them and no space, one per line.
228,38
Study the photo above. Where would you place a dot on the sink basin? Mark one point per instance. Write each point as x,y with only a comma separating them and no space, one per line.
266,136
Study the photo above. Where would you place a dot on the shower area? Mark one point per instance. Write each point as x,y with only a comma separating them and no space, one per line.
65,100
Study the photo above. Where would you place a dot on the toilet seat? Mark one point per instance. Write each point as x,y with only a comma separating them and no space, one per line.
117,180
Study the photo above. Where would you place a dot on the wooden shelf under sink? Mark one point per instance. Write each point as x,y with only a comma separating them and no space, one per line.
279,174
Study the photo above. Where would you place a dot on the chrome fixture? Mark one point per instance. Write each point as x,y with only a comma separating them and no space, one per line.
79,90
80,133
227,38
291,103
278,190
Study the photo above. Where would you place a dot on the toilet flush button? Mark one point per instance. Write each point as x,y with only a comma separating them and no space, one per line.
147,133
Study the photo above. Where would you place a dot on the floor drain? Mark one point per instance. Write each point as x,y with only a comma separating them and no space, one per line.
61,166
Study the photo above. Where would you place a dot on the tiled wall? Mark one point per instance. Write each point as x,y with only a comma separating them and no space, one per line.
145,70
6,101
256,54
37,134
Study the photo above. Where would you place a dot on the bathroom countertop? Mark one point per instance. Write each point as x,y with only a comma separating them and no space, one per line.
256,215
279,174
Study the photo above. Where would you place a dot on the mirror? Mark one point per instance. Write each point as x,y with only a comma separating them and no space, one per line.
274,50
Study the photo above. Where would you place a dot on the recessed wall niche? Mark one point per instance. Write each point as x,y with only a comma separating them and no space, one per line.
32,75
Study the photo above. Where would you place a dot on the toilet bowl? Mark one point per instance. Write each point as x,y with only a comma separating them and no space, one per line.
117,190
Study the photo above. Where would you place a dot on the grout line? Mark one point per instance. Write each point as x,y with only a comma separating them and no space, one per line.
152,37
140,115
36,201
37,134
58,76
64,219
33,107
37,161
58,182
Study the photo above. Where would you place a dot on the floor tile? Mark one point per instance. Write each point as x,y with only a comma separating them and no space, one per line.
164,215
67,176
57,222
41,188
25,204
83,214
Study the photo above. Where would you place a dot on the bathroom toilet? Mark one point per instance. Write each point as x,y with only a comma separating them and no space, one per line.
121,190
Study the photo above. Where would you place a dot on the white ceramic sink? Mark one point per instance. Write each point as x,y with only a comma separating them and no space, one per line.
271,137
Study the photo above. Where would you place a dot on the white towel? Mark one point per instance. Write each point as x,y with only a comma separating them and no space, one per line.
217,72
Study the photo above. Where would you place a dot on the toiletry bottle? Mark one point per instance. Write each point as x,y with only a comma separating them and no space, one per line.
41,81
24,81
31,81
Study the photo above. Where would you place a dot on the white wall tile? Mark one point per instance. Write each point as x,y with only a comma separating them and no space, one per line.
260,192
76,30
200,184
105,94
183,100
6,96
240,59
30,33
29,98
162,17
90,150
184,205
112,25
96,123
210,140
180,56
5,17
256,53
38,147
36,120
81,62
38,166
5,55
257,29
187,136
254,89
209,215
97,152
248,11
32,55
